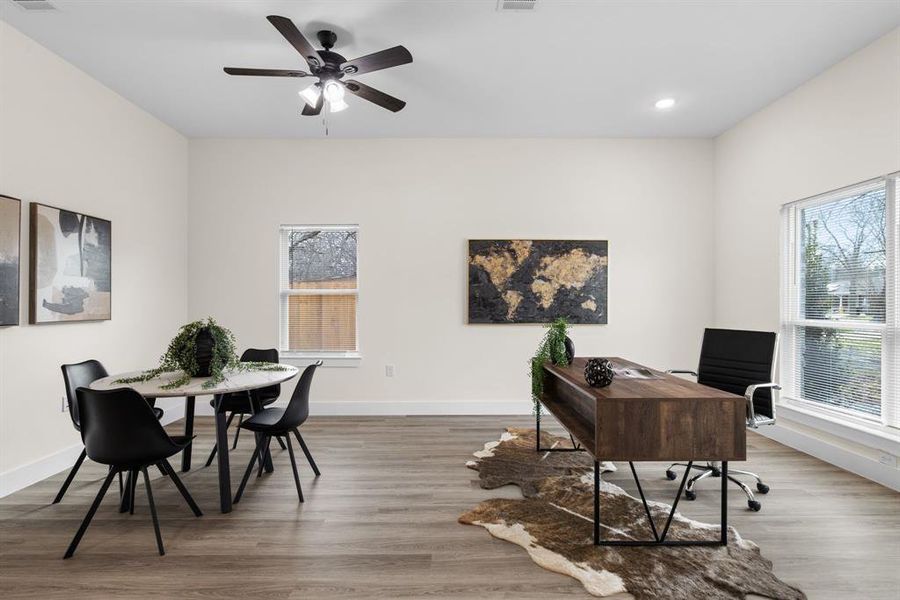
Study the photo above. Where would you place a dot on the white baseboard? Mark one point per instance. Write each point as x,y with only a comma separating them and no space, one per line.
21,477
62,460
840,457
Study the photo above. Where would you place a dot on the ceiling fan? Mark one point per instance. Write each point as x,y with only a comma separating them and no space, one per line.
331,68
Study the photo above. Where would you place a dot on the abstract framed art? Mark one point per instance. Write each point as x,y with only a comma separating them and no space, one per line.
10,243
538,281
70,270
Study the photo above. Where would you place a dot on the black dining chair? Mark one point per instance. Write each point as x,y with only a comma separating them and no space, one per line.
238,403
119,429
280,423
75,376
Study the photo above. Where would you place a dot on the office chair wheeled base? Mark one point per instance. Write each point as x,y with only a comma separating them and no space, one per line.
712,469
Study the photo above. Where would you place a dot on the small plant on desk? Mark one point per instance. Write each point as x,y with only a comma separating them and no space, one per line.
552,348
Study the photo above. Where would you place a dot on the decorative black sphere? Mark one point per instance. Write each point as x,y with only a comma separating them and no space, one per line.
598,372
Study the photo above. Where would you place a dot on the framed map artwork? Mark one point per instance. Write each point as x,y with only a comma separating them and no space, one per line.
537,281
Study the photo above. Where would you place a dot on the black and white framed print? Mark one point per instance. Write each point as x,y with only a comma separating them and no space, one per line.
10,242
71,255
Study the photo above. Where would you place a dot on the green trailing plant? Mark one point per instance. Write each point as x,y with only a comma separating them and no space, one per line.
181,355
552,348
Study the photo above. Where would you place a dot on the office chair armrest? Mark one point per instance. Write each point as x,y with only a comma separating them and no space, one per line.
751,391
681,372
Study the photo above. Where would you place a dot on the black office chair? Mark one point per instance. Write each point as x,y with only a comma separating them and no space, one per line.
280,422
82,375
119,429
238,403
743,363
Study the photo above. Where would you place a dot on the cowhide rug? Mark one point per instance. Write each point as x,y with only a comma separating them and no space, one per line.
554,523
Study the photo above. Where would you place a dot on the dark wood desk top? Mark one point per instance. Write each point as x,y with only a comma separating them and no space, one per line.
664,418
663,385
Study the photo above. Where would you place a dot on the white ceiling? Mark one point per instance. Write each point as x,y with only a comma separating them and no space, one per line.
568,68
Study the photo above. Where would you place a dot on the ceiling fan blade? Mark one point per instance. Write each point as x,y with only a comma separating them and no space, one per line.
309,111
290,32
398,55
375,96
266,72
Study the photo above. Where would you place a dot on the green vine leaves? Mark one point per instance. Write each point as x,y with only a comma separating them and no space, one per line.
181,356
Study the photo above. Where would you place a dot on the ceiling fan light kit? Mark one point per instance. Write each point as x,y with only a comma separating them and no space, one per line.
331,68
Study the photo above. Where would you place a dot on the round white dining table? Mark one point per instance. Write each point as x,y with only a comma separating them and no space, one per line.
235,381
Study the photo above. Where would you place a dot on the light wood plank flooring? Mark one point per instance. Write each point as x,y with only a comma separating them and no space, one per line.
381,522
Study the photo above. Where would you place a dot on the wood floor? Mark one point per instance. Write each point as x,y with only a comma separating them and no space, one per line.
381,523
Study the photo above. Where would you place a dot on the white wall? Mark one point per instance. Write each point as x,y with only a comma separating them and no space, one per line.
68,141
417,203
837,129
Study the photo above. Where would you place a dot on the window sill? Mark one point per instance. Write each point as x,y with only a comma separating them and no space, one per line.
872,435
329,359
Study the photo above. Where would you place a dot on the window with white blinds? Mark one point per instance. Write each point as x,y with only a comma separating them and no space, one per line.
318,290
840,304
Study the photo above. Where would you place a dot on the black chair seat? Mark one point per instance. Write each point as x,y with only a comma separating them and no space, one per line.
268,421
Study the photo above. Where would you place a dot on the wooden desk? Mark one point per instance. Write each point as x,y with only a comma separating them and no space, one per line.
663,418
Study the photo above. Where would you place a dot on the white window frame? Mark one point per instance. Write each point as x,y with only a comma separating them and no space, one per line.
329,358
814,413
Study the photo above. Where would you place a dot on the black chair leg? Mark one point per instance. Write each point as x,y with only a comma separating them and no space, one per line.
121,487
256,452
237,433
159,543
165,466
134,478
309,457
90,514
280,443
71,476
265,453
126,493
212,455
290,448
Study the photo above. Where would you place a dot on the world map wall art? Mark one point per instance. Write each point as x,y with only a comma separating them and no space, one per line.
70,266
537,281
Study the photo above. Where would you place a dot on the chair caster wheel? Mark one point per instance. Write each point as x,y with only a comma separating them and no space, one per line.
754,505
762,488
690,495
670,475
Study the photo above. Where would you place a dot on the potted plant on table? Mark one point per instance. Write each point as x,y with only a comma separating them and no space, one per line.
201,349
556,347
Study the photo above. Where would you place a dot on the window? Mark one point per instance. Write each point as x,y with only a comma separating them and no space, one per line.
318,291
840,303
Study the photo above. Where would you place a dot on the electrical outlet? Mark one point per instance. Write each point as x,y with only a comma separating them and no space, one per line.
388,370
888,459
64,406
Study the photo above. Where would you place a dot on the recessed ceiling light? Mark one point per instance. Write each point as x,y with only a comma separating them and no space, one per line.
665,103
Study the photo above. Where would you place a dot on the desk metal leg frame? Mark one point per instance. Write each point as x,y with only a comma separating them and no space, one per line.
576,447
659,539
